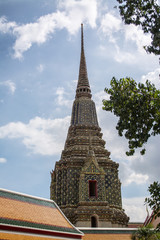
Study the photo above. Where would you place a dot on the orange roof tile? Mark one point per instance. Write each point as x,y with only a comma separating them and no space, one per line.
107,237
107,233
19,211
30,212
13,236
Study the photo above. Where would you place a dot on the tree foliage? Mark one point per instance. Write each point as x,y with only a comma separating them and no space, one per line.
145,233
154,200
148,233
138,109
145,13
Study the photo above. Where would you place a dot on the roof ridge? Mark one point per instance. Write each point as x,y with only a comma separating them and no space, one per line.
25,195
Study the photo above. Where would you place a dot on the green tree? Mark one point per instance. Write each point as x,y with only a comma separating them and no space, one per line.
148,233
138,109
154,200
137,105
145,233
145,13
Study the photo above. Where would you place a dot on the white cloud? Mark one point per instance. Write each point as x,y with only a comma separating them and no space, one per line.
40,68
153,77
98,97
61,99
3,160
123,56
124,39
31,33
135,209
10,85
41,136
5,26
135,34
149,164
117,53
110,24
112,27
78,12
70,15
129,175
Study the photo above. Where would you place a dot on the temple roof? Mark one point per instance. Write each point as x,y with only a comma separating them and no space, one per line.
25,213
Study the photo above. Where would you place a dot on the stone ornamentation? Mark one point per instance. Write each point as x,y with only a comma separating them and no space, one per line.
85,182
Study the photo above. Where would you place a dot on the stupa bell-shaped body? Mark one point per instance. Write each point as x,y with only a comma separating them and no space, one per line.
85,181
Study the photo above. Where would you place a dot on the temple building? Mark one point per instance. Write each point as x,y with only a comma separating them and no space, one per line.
85,182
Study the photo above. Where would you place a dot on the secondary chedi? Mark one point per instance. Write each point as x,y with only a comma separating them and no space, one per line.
85,182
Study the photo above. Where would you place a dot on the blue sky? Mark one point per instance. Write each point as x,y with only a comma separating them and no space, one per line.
39,64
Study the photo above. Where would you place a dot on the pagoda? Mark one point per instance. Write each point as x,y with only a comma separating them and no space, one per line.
85,182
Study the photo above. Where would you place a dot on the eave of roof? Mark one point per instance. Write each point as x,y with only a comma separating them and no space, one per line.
23,222
34,231
108,230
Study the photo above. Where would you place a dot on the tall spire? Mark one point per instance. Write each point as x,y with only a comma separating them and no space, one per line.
83,88
85,182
